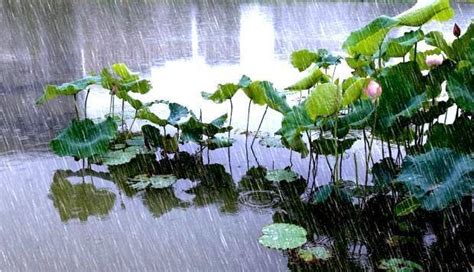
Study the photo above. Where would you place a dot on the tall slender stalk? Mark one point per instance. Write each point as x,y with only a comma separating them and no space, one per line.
259,126
75,107
85,103
123,115
231,113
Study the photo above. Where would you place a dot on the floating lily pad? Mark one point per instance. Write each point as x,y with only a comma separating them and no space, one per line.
119,157
399,265
270,141
314,253
84,139
283,236
142,182
279,175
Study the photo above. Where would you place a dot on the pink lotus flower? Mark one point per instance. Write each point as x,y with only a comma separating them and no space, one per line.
373,90
434,60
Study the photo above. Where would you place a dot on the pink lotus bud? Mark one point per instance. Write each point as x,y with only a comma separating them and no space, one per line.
373,90
434,60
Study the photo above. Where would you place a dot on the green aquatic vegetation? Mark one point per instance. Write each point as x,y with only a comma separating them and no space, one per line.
426,10
144,181
400,46
118,157
460,88
313,77
438,178
367,40
83,139
399,265
407,206
279,175
316,253
326,146
283,236
457,136
323,101
67,89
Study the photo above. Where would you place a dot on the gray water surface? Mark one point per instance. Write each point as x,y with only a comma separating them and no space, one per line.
183,47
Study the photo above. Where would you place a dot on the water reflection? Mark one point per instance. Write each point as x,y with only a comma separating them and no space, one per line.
79,201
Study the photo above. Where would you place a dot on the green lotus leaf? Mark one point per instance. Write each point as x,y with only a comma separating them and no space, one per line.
279,175
384,172
407,206
79,200
135,103
399,47
142,182
83,139
436,39
354,91
366,41
460,88
399,265
324,100
302,59
325,59
255,92
296,144
141,86
223,93
314,253
426,10
274,99
124,73
146,114
177,113
218,142
313,77
119,157
322,194
457,136
402,94
294,122
193,129
326,147
283,236
71,88
438,178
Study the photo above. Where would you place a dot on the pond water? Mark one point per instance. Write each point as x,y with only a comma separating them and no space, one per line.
50,223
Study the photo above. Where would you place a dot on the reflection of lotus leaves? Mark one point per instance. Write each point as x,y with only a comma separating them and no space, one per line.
160,202
80,200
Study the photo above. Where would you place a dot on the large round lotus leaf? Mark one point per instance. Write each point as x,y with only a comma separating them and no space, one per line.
255,92
84,139
71,88
354,91
144,181
283,236
460,88
323,101
223,93
302,59
366,40
426,10
438,178
313,77
279,175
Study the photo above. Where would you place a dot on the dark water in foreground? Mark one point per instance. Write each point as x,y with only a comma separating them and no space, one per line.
184,47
